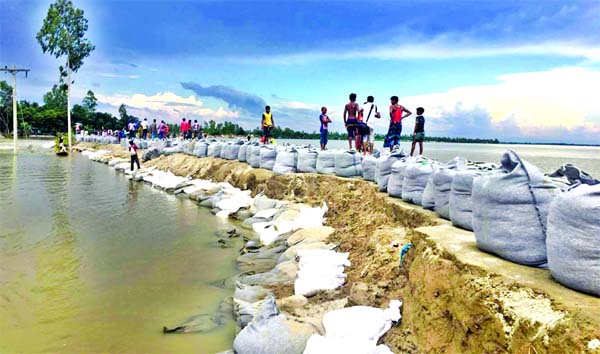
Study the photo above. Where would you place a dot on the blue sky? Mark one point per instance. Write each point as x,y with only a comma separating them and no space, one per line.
515,70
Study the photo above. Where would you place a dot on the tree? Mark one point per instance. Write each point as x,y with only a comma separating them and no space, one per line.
56,98
123,113
5,106
90,102
62,34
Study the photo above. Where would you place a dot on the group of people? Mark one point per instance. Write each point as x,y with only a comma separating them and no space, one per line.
190,130
359,125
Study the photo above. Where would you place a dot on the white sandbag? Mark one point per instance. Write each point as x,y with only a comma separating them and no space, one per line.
318,344
573,241
254,156
348,164
461,202
326,162
396,178
510,209
242,153
225,148
233,152
286,161
369,167
442,185
384,168
270,332
201,149
268,155
307,160
415,180
320,270
428,198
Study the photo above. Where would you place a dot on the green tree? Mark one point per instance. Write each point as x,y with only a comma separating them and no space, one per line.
56,98
5,107
90,102
63,34
123,114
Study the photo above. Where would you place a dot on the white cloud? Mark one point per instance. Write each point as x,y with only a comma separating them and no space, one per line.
167,105
115,76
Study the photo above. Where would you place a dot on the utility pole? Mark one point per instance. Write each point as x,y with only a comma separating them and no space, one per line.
14,72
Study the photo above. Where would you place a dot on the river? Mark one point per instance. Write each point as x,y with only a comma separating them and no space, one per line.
91,262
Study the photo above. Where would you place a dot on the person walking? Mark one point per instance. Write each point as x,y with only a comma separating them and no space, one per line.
419,132
267,124
325,120
351,120
133,153
392,139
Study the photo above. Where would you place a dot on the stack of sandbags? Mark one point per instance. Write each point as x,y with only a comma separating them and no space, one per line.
573,241
348,163
268,155
384,168
415,180
396,178
326,162
369,167
510,210
286,161
253,156
307,160
442,185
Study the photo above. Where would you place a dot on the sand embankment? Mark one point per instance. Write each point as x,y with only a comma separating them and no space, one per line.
457,299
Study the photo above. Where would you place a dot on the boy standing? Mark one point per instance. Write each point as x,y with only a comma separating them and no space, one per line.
267,124
144,129
419,132
324,118
351,119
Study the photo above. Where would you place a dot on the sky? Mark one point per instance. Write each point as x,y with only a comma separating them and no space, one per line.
524,71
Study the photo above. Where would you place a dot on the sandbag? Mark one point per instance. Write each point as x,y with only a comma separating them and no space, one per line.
384,168
369,166
442,185
348,164
396,178
461,203
573,241
225,150
510,209
201,149
253,156
150,154
326,162
415,180
307,160
233,152
188,147
268,155
428,198
214,149
242,157
286,162
269,332
573,175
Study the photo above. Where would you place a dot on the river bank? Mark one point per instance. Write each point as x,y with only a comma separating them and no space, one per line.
456,298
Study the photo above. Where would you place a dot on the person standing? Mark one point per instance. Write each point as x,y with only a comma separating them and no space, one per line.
153,129
351,120
133,153
183,128
195,129
392,138
161,130
131,128
419,132
267,124
144,125
369,111
325,120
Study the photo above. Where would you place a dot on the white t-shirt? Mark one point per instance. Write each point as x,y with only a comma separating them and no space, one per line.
144,124
366,108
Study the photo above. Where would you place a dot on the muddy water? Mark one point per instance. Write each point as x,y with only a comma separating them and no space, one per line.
90,262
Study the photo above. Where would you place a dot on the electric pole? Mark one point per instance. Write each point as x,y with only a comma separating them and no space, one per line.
14,72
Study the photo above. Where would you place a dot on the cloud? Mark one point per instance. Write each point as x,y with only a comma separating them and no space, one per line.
233,97
167,105
118,76
555,104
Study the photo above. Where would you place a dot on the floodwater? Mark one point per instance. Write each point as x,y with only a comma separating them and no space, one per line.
91,262
547,158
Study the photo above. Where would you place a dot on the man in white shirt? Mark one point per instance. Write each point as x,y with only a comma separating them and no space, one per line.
369,111
144,129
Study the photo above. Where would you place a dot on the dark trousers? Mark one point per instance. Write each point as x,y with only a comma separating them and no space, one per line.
134,158
144,134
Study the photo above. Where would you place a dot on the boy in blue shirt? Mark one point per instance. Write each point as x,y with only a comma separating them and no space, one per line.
419,132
